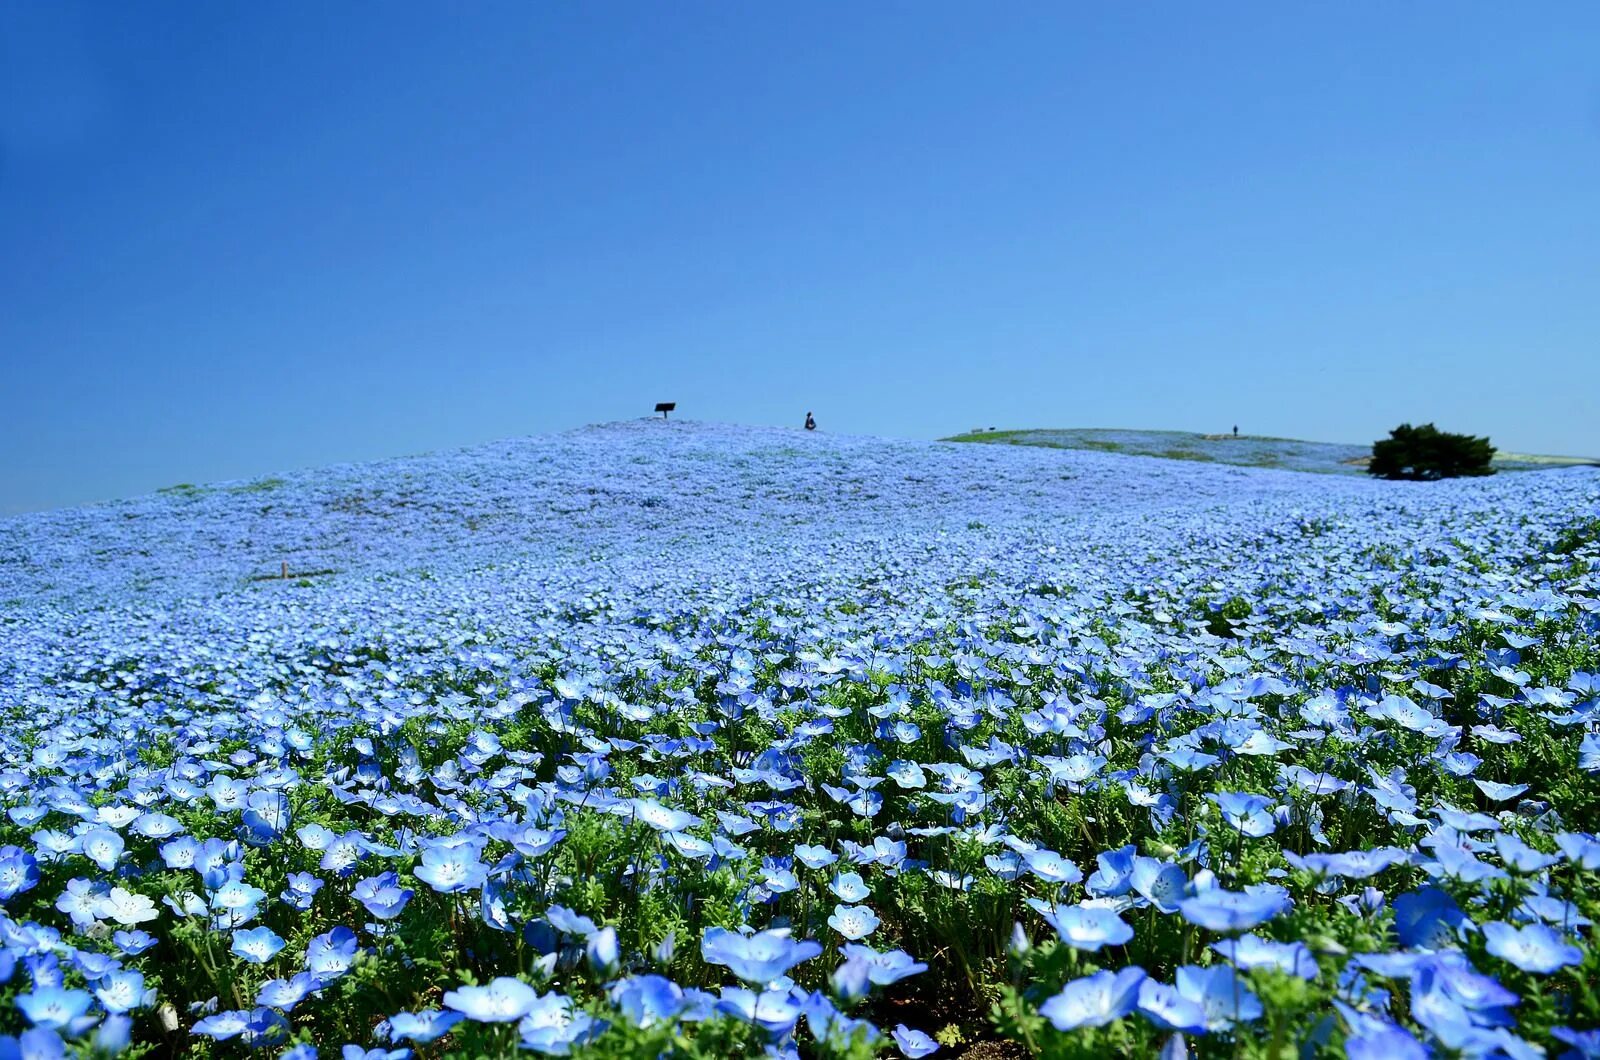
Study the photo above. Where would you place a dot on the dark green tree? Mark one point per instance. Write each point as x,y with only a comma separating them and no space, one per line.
1428,453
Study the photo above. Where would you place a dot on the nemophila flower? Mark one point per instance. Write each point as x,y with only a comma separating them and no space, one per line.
1585,1044
265,817
300,888
647,1000
1580,849
133,943
1084,927
1114,876
382,895
602,951
854,922
126,907
851,981
553,1025
1051,867
1352,864
36,1043
81,901
1386,1043
361,1052
1165,1007
1253,951
51,846
43,970
884,968
1519,857
343,853
53,1006
1230,911
256,946
123,991
155,825
330,955
19,872
285,994
93,965
503,1000
1160,883
1094,1000
759,958
422,1027
1535,948
102,846
774,1011
661,818
180,853
568,922
1428,918
451,870
849,886
913,1044
1220,993
112,1037
1249,814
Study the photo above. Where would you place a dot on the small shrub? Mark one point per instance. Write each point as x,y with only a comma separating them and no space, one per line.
1427,453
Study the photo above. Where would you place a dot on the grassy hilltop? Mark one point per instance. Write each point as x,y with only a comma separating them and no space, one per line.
1247,450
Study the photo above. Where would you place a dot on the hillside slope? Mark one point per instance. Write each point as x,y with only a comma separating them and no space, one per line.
608,491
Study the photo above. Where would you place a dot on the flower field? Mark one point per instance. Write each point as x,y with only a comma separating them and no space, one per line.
679,739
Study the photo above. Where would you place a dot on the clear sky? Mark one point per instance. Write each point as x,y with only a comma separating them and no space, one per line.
238,238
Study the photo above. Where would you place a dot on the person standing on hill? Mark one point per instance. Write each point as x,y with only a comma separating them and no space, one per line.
811,423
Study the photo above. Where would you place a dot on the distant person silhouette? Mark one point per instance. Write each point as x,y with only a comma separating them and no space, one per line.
811,423
1236,430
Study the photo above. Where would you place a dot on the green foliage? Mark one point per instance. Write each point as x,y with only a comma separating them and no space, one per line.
1427,453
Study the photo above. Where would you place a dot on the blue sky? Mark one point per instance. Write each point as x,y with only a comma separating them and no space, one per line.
243,238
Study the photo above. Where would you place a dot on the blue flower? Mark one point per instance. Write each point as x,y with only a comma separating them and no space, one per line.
854,922
19,872
1249,814
1094,1000
330,955
913,1044
53,1006
602,951
1165,1007
1220,994
849,886
1085,927
759,958
1386,1043
422,1027
1253,951
1427,917
1535,948
1230,911
451,870
503,1000
568,922
886,968
101,846
256,946
647,1000
382,895
553,1025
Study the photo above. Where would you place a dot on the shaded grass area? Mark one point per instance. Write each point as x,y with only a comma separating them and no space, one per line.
1288,454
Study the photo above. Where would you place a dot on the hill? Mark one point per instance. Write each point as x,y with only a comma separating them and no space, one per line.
532,730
